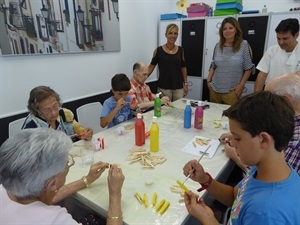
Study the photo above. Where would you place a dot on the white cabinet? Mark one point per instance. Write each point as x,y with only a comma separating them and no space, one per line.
195,88
274,21
212,25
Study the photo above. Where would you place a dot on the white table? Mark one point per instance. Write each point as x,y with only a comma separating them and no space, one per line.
173,137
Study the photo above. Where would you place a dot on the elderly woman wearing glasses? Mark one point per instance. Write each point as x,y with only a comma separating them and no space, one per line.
33,169
44,105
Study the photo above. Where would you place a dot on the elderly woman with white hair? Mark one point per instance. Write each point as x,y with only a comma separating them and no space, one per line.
33,167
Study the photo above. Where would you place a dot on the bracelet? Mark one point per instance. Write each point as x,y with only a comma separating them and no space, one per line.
85,181
185,83
115,217
207,184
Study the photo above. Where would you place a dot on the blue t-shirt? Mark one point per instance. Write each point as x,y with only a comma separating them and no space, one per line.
267,203
125,113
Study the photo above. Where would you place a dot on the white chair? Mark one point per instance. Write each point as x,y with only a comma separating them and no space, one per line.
89,116
15,126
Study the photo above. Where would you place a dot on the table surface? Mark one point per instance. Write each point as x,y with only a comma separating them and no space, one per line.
173,137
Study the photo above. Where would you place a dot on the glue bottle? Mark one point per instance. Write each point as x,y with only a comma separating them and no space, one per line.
157,106
187,115
139,128
154,135
198,120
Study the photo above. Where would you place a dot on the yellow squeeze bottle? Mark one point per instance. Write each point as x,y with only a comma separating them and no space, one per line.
154,135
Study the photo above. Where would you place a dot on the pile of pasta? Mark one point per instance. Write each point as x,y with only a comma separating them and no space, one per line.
146,158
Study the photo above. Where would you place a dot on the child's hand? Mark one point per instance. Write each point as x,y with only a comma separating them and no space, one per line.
121,102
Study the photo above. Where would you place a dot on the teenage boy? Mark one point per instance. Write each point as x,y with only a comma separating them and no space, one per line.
262,125
117,108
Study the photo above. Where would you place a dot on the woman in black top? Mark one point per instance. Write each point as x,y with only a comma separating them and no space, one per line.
172,80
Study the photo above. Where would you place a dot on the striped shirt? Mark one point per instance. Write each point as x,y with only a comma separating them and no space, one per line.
292,153
229,67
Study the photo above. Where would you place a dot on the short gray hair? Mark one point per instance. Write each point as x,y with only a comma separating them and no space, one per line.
287,84
30,158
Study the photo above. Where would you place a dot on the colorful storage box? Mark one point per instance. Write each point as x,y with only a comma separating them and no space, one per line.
225,12
230,1
198,10
172,16
236,6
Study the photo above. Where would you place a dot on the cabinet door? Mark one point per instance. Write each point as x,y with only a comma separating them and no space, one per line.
195,88
162,31
274,21
255,31
212,25
192,42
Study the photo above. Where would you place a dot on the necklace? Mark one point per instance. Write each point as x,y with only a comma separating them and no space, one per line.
170,49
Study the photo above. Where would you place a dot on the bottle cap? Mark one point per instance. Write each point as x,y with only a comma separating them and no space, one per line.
139,116
199,103
188,102
154,119
157,95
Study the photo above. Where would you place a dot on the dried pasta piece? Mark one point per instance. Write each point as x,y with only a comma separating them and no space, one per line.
218,123
139,198
154,199
145,200
202,141
183,187
160,204
129,126
164,208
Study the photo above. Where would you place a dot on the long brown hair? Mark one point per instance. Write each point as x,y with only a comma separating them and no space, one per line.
238,36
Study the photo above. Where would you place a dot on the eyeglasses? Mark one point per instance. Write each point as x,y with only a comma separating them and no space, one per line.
71,161
48,111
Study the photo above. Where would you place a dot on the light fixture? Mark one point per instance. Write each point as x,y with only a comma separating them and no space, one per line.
45,12
80,14
116,7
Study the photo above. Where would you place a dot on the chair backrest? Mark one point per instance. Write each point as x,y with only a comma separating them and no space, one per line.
15,126
89,116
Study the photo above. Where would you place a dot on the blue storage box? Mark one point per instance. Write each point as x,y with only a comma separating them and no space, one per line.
172,16
232,5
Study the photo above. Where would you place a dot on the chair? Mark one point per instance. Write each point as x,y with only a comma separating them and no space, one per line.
89,116
15,126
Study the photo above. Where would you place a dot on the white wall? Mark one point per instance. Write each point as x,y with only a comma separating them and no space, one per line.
80,75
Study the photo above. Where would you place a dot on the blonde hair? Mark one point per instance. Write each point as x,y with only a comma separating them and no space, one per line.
171,26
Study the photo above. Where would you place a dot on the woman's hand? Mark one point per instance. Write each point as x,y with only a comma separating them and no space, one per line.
185,90
197,171
96,170
239,90
87,134
115,179
197,208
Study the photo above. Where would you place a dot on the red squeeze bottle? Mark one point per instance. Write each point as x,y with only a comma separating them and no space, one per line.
139,130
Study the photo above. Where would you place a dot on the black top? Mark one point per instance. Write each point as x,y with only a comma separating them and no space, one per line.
169,65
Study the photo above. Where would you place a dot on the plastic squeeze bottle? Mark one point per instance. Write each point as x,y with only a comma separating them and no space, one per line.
187,115
198,120
154,135
157,106
139,127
